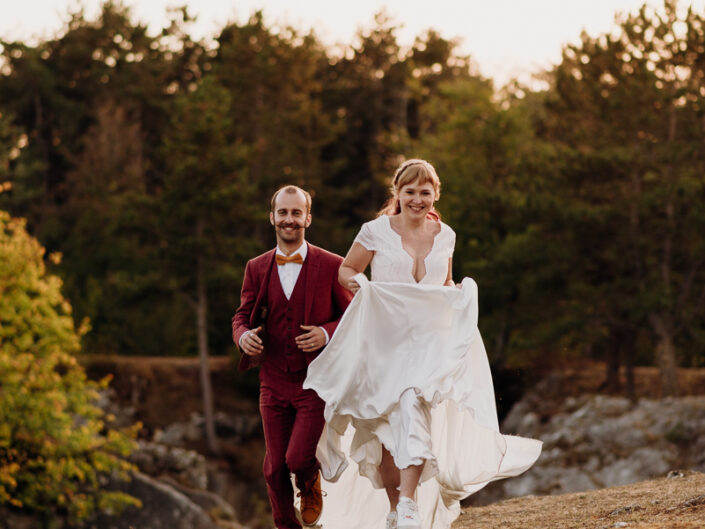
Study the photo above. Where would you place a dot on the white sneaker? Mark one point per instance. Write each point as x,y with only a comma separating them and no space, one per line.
391,520
408,514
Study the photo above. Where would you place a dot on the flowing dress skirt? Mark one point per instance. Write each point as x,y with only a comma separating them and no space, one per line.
407,369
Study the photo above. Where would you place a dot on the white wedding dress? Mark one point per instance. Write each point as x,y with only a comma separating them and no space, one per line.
407,369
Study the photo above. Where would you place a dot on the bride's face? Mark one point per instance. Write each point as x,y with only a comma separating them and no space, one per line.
416,199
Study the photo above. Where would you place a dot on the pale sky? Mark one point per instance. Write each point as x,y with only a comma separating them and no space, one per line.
505,38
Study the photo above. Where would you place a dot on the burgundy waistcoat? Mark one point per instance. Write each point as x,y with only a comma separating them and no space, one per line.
284,317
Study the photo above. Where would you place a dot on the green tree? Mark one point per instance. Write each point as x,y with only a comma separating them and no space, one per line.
366,87
204,210
54,443
276,84
95,101
626,110
8,150
380,91
494,175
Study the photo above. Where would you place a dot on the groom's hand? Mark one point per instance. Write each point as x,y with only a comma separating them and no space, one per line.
251,344
312,340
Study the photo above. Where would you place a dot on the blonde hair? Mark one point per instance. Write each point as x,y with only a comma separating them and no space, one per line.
408,172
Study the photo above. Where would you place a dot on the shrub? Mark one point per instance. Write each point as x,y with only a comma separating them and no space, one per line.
54,445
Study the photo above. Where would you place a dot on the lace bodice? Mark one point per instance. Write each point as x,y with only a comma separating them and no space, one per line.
392,263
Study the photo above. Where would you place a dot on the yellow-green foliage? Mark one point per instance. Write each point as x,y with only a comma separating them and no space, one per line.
53,442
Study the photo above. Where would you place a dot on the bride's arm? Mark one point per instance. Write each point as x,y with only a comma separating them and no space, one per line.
449,278
355,263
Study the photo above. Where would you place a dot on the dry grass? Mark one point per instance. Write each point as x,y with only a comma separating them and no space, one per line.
164,390
667,503
579,377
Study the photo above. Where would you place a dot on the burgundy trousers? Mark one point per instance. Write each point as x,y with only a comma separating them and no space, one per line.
293,422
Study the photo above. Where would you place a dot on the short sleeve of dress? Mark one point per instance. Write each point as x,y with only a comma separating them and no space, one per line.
450,248
366,237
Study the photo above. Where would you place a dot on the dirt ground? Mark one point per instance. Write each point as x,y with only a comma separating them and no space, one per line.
667,503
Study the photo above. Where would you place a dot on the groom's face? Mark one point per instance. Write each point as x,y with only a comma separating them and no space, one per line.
290,217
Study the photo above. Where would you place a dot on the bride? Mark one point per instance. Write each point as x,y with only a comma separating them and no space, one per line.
406,381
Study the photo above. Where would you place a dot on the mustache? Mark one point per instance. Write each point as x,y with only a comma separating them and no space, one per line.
288,225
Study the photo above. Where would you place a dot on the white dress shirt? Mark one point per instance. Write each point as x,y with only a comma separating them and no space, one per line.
288,274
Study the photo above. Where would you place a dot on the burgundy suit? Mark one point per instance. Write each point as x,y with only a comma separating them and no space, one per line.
292,417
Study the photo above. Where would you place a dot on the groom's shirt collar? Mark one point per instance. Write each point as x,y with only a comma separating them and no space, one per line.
301,250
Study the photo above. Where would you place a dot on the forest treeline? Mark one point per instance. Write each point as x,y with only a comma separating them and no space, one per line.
147,162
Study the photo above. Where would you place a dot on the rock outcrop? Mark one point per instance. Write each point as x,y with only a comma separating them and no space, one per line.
183,466
597,441
163,508
195,489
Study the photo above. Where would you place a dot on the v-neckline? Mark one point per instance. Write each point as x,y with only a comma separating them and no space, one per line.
411,257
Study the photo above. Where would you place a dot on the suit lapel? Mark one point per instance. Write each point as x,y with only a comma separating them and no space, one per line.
263,286
311,280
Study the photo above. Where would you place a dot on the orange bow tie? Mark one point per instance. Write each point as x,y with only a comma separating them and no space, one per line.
296,258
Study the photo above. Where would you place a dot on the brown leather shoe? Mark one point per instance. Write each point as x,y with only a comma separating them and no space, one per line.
311,501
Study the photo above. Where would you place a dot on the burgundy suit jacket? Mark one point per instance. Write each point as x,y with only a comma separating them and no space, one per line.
325,299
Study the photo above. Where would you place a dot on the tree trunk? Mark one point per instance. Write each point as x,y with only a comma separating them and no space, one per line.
628,355
612,382
501,340
44,149
662,324
666,354
262,231
634,198
202,330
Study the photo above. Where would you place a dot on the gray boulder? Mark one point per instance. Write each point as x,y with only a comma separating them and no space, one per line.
208,501
164,508
185,466
596,441
232,428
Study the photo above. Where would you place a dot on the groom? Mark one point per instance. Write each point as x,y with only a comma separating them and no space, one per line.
291,302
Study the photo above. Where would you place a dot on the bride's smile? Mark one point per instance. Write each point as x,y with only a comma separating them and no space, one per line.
417,199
